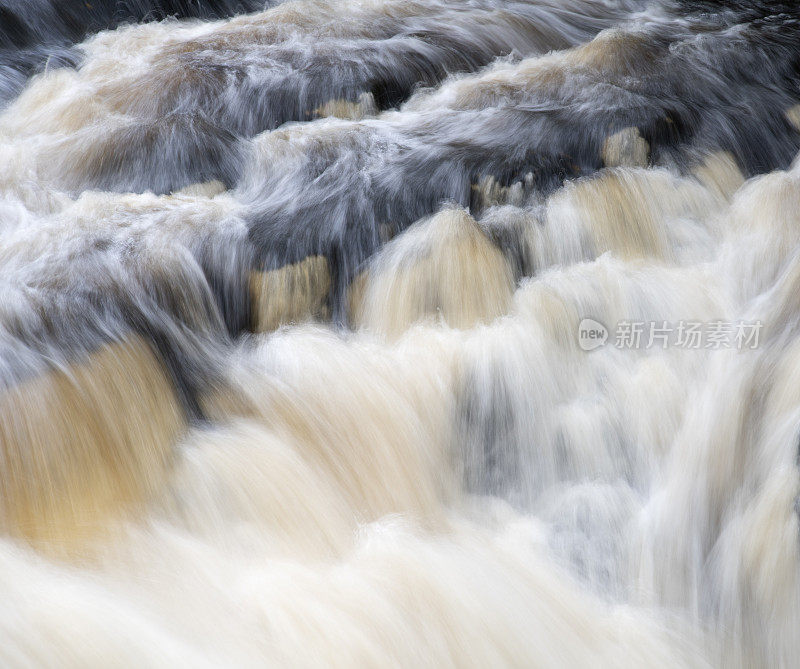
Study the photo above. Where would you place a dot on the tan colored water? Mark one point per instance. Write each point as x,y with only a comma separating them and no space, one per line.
313,394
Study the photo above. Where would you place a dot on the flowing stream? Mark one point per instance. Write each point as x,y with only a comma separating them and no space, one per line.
415,333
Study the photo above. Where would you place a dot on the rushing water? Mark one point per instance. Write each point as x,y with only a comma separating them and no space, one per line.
399,333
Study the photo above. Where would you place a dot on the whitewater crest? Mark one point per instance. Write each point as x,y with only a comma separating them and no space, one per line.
400,333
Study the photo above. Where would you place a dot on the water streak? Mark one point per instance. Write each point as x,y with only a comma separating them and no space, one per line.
291,368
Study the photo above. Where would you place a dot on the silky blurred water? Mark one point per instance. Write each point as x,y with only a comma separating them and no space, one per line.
399,333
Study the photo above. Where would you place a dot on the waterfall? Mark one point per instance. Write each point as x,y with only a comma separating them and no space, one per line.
416,333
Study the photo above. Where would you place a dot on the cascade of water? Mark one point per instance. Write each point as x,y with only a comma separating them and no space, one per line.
407,333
